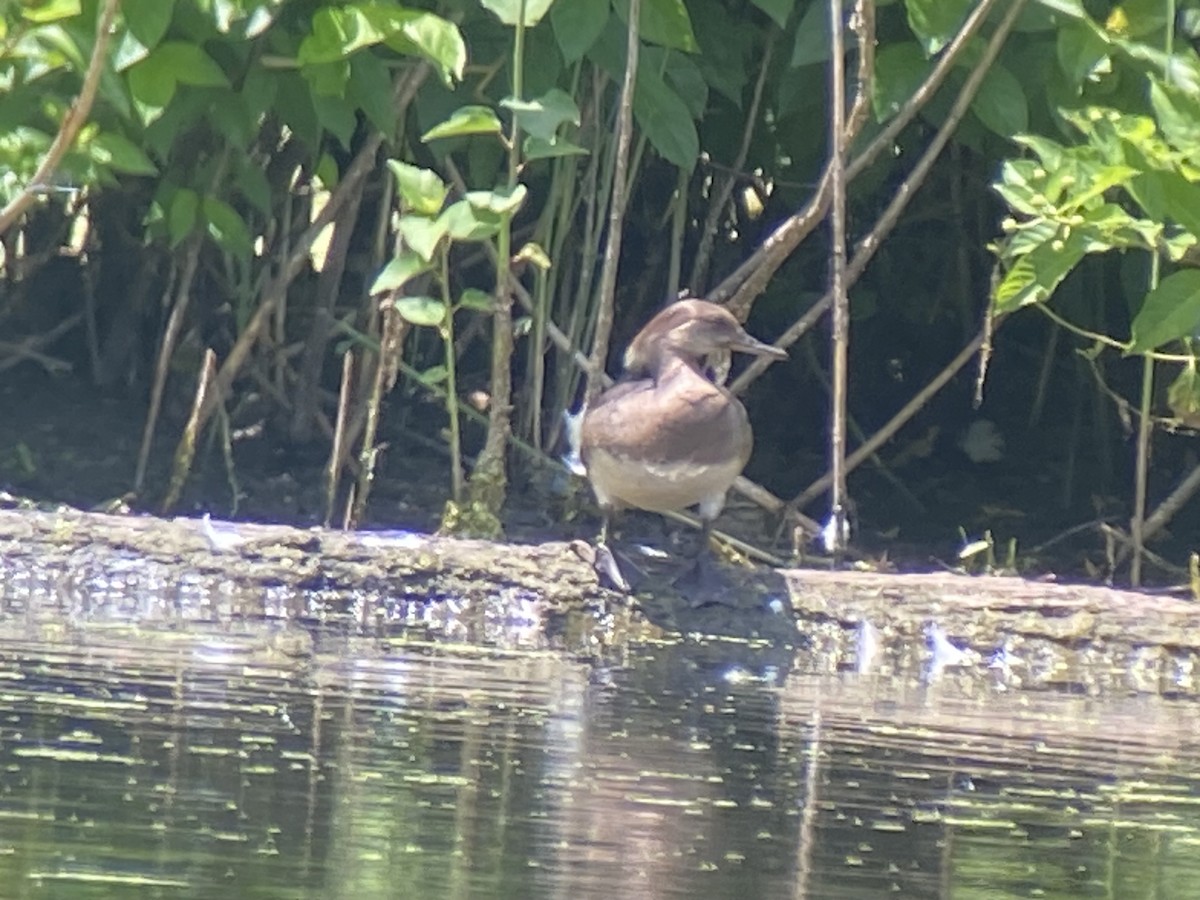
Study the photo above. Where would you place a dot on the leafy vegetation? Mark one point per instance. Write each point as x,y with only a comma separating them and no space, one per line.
283,182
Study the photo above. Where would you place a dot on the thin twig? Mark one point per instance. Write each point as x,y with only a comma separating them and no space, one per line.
721,195
71,123
836,535
162,368
865,248
889,429
616,210
337,449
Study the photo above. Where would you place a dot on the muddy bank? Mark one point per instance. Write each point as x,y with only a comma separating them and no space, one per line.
1024,633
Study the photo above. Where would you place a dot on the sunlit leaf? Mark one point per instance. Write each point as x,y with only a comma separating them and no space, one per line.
434,375
1136,18
464,222
536,148
423,190
466,120
337,32
42,11
498,202
422,234
533,252
509,11
427,311
543,116
475,299
1034,277
1169,312
401,269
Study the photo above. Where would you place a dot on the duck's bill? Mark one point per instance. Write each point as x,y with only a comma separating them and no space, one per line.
748,344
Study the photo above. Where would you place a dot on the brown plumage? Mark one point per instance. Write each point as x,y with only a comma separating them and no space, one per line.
667,437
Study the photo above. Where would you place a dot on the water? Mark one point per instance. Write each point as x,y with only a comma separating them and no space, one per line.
220,756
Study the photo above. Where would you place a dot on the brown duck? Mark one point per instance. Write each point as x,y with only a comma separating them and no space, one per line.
666,437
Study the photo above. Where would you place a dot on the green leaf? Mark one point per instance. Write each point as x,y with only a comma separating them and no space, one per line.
43,11
189,64
422,234
1169,312
337,32
685,78
1168,195
509,11
427,311
1021,188
401,269
778,10
370,89
181,218
117,152
465,120
434,375
812,36
1073,9
1082,53
1000,103
532,252
477,300
542,117
1034,277
899,69
153,80
1178,114
1136,18
336,116
147,20
662,22
499,202
666,121
464,222
423,190
536,148
577,24
226,226
726,56
934,22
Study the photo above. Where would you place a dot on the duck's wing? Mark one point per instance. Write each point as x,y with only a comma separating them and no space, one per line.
682,420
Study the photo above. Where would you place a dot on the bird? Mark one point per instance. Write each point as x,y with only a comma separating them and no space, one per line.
667,437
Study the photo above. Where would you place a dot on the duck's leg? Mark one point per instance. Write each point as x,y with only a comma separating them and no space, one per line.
606,564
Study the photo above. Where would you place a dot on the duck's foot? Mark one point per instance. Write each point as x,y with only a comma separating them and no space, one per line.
703,583
608,571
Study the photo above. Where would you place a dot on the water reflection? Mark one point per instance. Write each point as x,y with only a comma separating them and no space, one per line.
256,759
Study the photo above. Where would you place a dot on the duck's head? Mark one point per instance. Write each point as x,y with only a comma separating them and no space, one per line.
691,330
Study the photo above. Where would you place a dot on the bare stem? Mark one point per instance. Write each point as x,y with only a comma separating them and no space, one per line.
616,211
